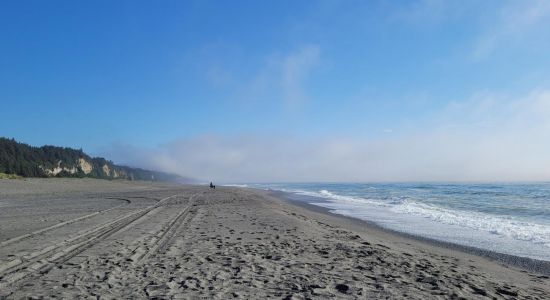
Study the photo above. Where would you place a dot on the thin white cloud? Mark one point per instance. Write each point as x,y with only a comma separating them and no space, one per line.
494,24
513,22
283,77
432,12
295,68
512,144
212,63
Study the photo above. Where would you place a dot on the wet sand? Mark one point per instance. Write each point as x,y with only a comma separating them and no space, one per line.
76,238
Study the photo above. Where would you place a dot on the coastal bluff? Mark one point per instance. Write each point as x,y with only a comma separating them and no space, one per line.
52,161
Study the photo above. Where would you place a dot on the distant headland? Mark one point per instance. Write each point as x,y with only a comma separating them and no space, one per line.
23,160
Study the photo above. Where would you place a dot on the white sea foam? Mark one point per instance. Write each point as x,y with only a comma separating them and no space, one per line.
422,211
335,197
500,225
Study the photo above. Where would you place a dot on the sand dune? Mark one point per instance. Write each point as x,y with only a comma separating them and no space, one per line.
126,240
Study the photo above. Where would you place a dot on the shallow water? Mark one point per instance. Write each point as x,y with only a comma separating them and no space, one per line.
506,218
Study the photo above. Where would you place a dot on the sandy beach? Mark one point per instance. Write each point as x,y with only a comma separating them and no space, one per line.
74,238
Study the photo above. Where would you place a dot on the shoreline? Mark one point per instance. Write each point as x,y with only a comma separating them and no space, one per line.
196,242
524,263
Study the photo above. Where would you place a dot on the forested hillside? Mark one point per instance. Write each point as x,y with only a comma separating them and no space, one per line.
51,161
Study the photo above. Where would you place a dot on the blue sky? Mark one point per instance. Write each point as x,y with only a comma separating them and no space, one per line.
339,88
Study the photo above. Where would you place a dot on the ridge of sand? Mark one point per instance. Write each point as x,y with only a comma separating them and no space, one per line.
193,242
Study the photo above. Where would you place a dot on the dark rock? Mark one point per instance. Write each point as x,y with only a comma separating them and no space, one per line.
428,280
478,291
342,288
507,292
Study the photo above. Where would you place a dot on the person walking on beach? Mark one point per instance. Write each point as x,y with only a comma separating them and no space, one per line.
212,186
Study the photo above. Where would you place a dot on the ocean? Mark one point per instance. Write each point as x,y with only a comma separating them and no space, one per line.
505,218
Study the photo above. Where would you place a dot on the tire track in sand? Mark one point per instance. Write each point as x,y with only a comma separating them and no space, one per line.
40,262
68,222
160,241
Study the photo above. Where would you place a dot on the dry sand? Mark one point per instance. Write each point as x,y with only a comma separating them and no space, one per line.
117,240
